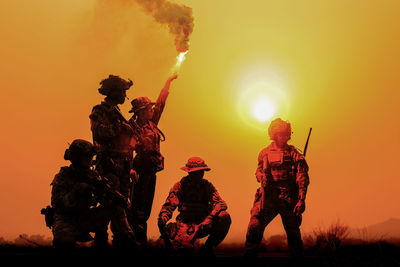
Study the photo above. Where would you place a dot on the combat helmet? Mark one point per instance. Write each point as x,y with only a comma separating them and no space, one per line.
279,127
79,147
113,83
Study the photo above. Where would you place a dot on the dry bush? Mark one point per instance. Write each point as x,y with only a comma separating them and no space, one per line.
367,237
332,237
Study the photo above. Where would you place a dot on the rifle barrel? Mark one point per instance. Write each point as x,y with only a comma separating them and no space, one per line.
308,138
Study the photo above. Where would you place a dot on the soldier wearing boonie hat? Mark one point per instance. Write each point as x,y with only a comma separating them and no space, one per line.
140,103
148,159
195,164
202,212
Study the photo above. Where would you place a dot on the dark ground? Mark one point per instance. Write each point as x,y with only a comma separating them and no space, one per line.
374,254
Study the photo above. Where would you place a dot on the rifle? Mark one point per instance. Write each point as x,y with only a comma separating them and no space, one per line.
265,166
308,138
134,129
102,186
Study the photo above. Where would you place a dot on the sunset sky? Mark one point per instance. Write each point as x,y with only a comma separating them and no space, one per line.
330,65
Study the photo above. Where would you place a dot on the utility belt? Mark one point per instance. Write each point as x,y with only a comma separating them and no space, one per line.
151,161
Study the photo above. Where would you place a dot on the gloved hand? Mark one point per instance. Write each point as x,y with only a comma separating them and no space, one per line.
134,176
173,77
205,226
299,208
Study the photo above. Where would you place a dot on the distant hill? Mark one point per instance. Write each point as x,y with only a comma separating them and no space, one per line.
383,230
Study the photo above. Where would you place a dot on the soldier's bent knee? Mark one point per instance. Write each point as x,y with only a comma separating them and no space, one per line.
224,218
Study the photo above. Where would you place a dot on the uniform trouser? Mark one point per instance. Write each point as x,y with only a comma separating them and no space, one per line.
68,229
183,235
142,202
260,218
119,175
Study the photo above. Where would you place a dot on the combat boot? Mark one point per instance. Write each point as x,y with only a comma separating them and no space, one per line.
206,251
101,241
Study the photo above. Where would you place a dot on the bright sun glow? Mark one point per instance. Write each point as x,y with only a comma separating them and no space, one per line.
262,96
263,110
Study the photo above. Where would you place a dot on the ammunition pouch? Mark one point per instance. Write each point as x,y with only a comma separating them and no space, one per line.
48,213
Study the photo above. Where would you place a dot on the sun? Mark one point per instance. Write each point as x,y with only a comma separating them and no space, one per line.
262,95
263,110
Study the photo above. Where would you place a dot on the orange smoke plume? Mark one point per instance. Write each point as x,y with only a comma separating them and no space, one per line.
179,19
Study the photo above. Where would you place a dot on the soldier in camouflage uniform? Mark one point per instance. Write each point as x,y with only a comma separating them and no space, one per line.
73,197
115,140
202,212
283,174
148,159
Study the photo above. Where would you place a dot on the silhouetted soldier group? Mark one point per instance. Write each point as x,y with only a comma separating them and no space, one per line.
118,187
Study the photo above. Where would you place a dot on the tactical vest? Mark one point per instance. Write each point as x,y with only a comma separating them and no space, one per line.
280,170
110,116
148,157
280,166
64,183
195,200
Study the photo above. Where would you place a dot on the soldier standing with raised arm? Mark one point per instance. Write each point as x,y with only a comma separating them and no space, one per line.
283,174
148,160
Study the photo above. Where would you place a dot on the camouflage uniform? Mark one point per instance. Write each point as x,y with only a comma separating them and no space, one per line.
202,212
286,180
147,162
73,199
73,215
115,141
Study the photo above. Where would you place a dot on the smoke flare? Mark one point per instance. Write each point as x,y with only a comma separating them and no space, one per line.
179,19
179,59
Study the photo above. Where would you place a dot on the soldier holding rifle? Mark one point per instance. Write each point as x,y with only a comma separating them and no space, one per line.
283,174
115,139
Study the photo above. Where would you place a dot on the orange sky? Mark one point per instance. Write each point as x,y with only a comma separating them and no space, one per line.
334,64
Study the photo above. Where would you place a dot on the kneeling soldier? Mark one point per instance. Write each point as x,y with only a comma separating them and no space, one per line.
81,200
202,211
